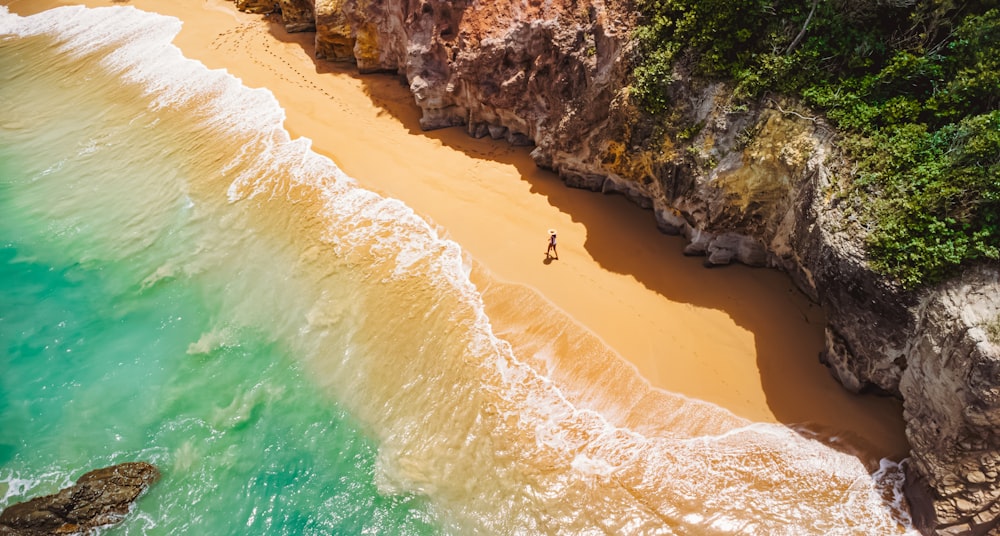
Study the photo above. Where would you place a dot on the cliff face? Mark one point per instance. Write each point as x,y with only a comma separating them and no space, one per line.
513,70
759,185
952,405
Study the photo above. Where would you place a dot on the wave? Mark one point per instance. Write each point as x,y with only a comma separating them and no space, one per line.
385,314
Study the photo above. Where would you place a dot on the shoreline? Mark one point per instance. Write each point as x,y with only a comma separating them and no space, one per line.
741,338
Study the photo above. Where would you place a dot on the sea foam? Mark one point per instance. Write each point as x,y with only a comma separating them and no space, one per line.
529,460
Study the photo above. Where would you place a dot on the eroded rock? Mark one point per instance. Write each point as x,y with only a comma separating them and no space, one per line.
952,404
100,497
298,15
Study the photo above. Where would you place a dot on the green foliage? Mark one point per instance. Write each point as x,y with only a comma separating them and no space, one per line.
915,88
939,202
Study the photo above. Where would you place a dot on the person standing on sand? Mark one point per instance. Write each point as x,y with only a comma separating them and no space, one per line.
552,245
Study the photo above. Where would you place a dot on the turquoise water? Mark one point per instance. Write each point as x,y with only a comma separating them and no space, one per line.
95,373
183,283
104,361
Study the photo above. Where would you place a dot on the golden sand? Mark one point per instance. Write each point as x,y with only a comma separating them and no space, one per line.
743,339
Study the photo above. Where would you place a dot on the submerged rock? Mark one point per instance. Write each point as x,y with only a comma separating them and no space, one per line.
100,497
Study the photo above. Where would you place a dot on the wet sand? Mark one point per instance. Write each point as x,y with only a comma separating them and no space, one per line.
743,339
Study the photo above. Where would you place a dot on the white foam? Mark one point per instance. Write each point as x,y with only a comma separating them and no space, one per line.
16,487
20,488
137,45
590,466
713,472
890,478
694,519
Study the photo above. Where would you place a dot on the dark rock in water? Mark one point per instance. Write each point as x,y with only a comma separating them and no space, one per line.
100,497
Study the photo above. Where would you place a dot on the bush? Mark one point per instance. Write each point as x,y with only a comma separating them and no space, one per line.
914,88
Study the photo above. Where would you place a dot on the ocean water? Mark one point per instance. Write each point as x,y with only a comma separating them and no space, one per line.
180,282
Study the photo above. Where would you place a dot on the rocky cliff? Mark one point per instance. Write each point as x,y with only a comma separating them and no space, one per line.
761,184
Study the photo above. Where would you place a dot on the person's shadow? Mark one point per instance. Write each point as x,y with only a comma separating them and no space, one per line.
549,259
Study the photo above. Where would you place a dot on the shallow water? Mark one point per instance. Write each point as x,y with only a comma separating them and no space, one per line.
183,283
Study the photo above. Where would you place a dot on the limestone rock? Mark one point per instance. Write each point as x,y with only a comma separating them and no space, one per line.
334,36
732,246
952,404
519,70
298,15
100,497
255,6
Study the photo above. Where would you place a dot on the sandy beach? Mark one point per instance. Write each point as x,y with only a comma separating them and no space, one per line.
743,339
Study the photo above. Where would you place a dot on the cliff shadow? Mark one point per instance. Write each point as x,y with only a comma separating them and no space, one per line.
622,238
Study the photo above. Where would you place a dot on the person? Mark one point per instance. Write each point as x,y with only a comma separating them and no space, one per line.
552,245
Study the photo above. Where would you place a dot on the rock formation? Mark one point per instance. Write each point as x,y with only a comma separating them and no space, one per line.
952,406
100,497
255,6
298,15
758,184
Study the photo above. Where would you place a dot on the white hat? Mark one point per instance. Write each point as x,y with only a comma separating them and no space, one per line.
552,231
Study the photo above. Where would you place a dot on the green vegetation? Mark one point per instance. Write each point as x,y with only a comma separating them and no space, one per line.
914,85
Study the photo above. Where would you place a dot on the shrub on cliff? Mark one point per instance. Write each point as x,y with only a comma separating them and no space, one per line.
913,84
